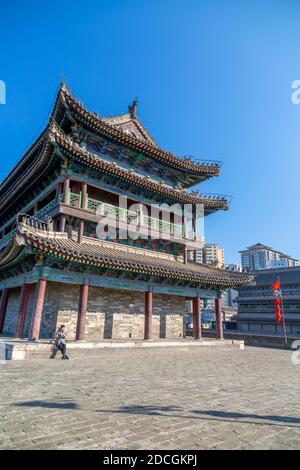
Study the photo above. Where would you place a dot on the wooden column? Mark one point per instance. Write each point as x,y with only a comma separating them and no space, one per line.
80,230
65,200
194,318
195,234
38,310
218,311
3,307
66,190
194,226
22,310
62,226
83,195
197,330
82,206
81,319
58,189
148,315
185,254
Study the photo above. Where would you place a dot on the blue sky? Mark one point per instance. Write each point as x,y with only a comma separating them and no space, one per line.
213,80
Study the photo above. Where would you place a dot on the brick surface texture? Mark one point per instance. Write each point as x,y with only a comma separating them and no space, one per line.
158,398
111,313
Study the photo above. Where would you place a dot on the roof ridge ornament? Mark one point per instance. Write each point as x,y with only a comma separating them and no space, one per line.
132,108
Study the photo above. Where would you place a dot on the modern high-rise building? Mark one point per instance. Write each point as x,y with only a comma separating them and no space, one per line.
260,256
210,253
214,253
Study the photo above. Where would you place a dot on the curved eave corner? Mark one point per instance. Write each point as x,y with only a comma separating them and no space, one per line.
12,252
95,124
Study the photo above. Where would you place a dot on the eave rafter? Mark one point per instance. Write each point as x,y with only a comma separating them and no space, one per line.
77,153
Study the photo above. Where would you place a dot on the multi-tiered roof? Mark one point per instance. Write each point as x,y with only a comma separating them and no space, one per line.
77,135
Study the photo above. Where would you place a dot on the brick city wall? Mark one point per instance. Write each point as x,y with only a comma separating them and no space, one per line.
111,314
10,322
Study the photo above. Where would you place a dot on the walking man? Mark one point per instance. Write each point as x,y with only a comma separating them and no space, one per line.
60,343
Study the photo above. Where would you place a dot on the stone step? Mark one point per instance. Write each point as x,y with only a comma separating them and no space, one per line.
18,350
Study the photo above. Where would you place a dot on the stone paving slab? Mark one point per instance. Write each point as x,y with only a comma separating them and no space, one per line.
164,398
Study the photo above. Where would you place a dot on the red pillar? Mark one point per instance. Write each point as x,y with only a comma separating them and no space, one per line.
22,310
80,230
194,320
83,195
218,311
58,189
65,200
197,330
185,233
38,310
81,319
185,255
3,307
62,226
148,315
66,190
83,206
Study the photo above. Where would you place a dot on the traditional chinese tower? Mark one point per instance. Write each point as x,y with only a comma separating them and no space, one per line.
54,269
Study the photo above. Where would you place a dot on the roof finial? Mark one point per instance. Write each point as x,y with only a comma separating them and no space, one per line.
132,108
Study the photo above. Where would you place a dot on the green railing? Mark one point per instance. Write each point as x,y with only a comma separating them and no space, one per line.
105,209
74,200
40,214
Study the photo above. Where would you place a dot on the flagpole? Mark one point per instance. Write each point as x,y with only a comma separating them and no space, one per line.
283,316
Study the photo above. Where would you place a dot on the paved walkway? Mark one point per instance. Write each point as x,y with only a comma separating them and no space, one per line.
152,399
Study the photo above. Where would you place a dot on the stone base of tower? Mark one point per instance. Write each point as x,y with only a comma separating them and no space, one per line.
110,314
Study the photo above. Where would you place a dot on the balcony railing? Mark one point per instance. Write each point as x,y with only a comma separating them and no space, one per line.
74,200
40,214
105,209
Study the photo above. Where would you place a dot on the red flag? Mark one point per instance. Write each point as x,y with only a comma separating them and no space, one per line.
276,285
277,294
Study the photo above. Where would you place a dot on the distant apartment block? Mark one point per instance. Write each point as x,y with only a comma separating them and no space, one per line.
210,253
259,256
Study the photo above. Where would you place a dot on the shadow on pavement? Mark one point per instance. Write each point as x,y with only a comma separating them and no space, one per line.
238,416
69,405
145,410
208,415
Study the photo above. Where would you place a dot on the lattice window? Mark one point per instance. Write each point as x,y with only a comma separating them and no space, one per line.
74,200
